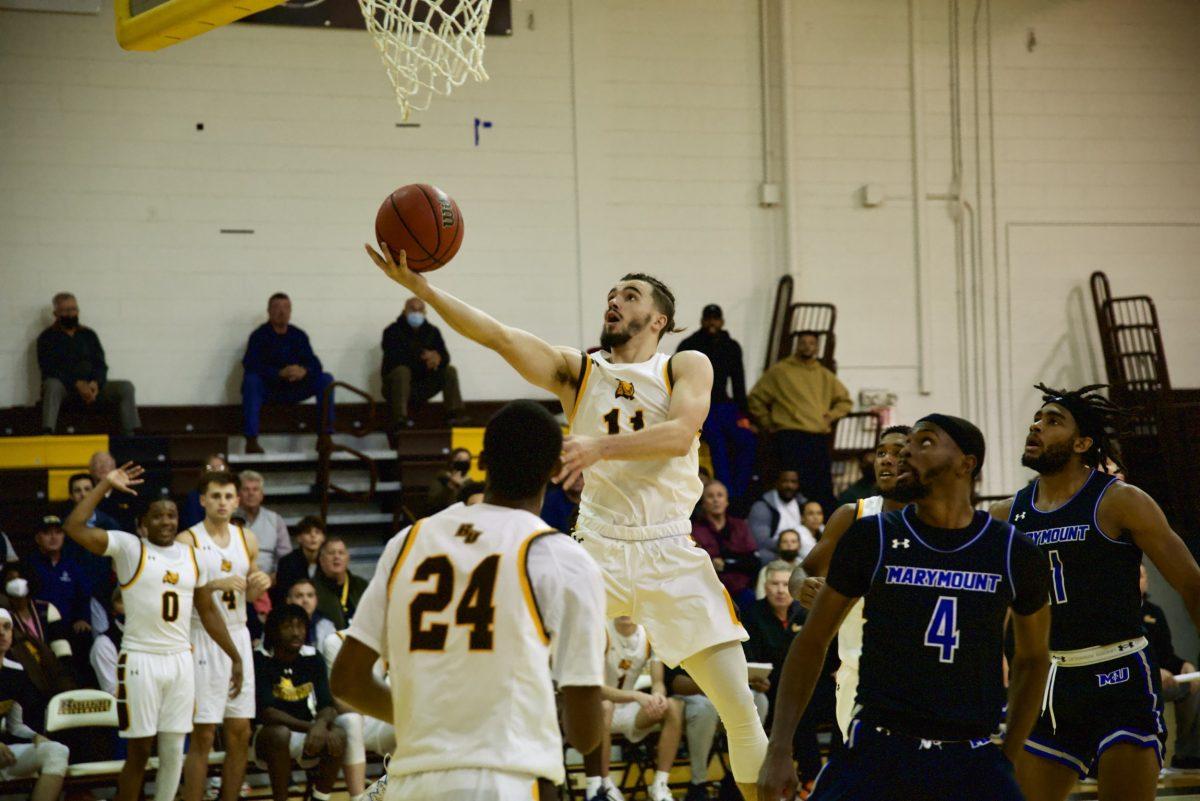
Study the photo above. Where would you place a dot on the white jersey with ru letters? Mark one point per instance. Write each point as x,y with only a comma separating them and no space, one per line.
468,652
231,560
619,398
157,586
626,657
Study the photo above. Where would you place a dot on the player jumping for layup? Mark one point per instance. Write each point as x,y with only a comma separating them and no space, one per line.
1102,697
634,415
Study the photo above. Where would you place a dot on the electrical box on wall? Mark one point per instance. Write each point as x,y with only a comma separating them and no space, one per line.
876,398
872,195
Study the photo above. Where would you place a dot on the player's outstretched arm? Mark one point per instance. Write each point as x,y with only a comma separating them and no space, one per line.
817,561
801,670
214,624
353,681
1127,509
551,368
690,394
124,479
1026,677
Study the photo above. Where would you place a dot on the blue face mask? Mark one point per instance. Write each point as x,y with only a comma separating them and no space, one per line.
415,319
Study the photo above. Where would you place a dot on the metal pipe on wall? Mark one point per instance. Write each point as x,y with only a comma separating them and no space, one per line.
924,281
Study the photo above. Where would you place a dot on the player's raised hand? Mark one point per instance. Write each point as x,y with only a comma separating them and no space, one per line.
809,589
235,680
578,453
396,269
126,477
777,777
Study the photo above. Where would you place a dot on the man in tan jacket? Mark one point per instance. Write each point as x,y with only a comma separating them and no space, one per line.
797,401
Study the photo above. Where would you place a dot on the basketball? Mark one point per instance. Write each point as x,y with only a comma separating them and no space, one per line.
424,222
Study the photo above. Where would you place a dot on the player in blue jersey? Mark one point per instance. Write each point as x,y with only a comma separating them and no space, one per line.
1101,708
937,579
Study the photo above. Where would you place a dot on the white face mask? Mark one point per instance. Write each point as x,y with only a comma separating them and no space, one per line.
17,588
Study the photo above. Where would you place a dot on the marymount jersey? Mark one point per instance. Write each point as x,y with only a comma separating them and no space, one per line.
157,586
463,625
619,398
232,560
626,657
1094,595
849,637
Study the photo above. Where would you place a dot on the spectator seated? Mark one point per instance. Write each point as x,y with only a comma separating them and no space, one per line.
728,541
778,510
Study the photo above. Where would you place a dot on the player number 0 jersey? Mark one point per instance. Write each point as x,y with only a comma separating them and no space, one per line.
620,398
157,585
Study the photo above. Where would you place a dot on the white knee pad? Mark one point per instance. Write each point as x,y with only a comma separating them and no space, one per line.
356,751
170,765
53,758
721,674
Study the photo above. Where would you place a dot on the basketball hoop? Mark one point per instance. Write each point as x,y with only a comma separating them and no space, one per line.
428,46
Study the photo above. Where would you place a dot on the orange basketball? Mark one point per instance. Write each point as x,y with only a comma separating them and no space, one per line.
424,222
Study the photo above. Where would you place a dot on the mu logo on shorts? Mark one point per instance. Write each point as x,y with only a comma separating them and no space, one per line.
226,566
625,389
1115,677
170,577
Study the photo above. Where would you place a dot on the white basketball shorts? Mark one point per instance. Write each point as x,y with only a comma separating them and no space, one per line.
476,784
155,693
213,672
624,722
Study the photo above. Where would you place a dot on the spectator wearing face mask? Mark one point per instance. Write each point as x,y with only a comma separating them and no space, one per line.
449,483
416,366
34,618
789,552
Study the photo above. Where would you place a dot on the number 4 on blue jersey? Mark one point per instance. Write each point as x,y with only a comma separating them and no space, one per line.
942,632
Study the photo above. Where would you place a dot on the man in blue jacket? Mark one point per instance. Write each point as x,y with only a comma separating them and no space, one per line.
281,368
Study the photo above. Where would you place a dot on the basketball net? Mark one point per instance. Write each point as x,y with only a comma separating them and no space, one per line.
428,46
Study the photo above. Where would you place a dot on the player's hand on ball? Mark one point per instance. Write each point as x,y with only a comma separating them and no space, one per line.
125,477
235,680
396,269
578,453
809,589
258,582
777,777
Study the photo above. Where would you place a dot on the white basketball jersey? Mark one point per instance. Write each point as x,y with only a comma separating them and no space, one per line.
232,560
158,598
618,398
468,655
851,633
626,657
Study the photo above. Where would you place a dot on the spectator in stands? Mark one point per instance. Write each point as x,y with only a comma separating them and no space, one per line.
117,505
97,569
45,672
107,646
472,493
280,367
34,617
295,711
63,580
40,757
303,593
72,363
700,721
560,508
1185,696
273,539
777,511
772,623
789,554
302,561
416,366
78,486
864,487
798,400
192,512
449,482
727,429
812,519
728,541
338,590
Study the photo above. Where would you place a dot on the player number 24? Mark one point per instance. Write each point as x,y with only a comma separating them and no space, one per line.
475,609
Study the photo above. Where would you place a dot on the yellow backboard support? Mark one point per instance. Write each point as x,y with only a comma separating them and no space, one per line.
155,24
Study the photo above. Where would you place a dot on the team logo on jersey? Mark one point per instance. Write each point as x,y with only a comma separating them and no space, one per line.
625,389
1115,677
625,664
1054,536
286,691
170,577
469,533
1019,516
226,566
900,543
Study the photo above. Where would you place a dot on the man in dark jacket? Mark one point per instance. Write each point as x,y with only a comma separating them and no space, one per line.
281,368
72,363
731,441
416,366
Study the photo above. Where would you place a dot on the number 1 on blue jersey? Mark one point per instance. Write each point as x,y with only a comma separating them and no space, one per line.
942,632
1059,580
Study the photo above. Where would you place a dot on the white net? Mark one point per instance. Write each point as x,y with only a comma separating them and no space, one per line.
428,46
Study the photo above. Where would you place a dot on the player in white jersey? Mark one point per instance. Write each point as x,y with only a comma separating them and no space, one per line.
632,713
635,420
363,732
161,580
808,579
479,611
229,553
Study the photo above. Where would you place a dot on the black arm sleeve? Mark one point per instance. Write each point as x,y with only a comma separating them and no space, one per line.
100,365
1030,576
855,559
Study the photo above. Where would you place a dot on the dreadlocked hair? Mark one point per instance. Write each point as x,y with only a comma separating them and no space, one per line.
1097,417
